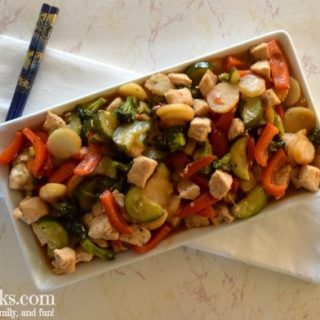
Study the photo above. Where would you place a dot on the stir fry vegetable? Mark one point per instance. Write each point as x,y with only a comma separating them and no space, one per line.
211,144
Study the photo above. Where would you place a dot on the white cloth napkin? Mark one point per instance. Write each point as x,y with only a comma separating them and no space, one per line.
286,241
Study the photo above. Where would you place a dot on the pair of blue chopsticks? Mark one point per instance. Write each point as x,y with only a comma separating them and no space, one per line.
40,37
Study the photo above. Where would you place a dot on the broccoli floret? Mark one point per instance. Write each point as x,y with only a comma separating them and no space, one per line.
92,248
87,111
173,139
276,145
127,112
143,108
64,207
122,167
315,136
223,164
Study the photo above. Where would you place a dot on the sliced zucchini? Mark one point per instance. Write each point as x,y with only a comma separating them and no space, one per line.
130,137
234,77
73,122
252,112
197,70
140,208
104,123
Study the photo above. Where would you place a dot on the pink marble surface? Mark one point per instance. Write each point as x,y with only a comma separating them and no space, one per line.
141,36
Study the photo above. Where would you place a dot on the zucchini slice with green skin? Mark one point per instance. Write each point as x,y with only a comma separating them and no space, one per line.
197,70
251,205
130,137
104,123
234,76
140,208
252,112
238,158
74,122
85,193
52,233
106,167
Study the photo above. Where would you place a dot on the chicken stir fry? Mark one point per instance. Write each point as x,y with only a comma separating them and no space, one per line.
197,148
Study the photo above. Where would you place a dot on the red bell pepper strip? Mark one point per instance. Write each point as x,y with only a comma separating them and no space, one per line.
219,141
196,166
81,154
72,183
177,160
203,201
250,150
47,167
155,240
279,110
63,173
35,165
42,135
261,148
279,66
234,62
9,153
113,213
90,161
202,183
208,212
235,184
225,119
277,161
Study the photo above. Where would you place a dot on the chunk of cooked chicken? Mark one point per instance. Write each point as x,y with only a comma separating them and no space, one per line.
115,104
180,79
141,170
207,83
53,121
261,51
82,255
159,84
188,190
200,107
199,129
270,98
179,96
119,198
20,177
195,221
64,261
101,228
307,177
31,210
236,129
262,68
223,211
138,237
282,176
220,184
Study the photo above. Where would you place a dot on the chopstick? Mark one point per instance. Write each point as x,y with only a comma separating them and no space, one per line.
32,59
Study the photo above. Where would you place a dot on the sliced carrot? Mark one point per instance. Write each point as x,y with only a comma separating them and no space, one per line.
234,62
245,72
9,153
163,232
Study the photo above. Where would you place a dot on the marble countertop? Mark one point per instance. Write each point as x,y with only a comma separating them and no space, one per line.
143,35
